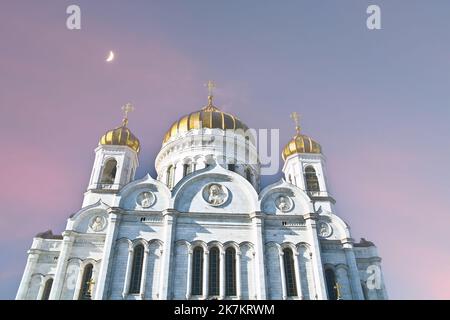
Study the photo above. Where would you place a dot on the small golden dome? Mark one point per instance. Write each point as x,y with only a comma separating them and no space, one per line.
122,136
208,117
301,144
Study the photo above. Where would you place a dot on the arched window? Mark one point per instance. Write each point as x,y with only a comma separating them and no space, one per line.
248,175
47,289
230,272
197,271
289,273
170,176
136,269
312,184
214,273
109,172
86,284
187,169
330,279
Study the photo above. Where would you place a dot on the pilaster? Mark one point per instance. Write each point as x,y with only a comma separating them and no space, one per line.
169,227
61,266
316,259
260,272
108,250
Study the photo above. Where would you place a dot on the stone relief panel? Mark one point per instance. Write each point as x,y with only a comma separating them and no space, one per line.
324,229
284,203
98,223
145,199
215,194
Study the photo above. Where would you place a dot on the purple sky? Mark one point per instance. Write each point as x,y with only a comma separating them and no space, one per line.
377,101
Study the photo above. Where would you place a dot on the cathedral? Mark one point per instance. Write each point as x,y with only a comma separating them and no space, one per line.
204,228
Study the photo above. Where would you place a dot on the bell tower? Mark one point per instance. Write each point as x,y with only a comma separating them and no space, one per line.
304,167
115,164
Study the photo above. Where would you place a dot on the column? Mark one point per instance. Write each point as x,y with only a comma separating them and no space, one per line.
298,281
166,258
283,276
178,173
200,164
316,259
41,288
33,257
126,285
162,175
77,291
222,275
144,273
260,272
61,266
108,249
94,277
189,275
355,281
205,274
238,275
342,278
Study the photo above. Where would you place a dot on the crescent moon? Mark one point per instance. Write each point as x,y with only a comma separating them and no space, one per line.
110,57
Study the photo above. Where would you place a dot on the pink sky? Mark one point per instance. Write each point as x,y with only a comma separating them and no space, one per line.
377,103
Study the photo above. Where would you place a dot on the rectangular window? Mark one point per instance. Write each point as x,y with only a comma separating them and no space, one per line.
197,271
214,272
230,272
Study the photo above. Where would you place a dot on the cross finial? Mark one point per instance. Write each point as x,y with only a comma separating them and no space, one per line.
210,85
296,117
126,109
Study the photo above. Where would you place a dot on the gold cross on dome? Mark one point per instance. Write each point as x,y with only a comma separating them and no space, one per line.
127,109
211,86
296,117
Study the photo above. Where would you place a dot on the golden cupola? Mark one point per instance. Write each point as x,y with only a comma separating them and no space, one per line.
122,136
208,117
300,143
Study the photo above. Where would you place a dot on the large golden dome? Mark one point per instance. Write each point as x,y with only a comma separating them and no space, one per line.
208,117
300,143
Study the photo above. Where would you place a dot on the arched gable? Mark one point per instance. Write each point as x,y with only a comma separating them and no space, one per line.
146,194
192,193
84,220
297,200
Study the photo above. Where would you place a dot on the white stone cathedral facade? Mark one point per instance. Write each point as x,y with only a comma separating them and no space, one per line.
203,229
